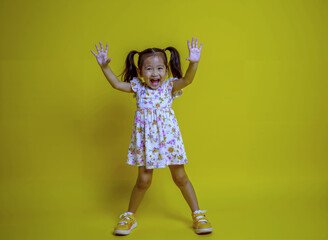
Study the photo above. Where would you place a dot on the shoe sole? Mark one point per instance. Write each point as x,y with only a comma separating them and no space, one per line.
205,230
125,232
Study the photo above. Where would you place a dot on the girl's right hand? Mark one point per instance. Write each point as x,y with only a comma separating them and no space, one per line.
102,56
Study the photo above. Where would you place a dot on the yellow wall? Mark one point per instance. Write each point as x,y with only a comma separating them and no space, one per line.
254,121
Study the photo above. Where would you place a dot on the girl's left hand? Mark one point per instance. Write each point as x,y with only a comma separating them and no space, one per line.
194,52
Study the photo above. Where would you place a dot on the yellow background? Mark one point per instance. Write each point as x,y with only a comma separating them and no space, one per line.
254,121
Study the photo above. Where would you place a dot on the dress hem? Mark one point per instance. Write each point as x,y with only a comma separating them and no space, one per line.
162,166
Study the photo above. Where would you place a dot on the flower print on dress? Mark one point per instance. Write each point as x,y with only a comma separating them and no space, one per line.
156,139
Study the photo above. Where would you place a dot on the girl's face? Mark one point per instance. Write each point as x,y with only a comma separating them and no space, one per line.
153,71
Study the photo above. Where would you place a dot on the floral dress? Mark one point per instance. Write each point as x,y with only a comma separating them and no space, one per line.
156,139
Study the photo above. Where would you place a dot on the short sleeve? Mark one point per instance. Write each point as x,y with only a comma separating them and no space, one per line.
135,85
175,93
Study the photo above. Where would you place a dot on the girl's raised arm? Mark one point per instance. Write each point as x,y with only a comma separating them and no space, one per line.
111,77
194,57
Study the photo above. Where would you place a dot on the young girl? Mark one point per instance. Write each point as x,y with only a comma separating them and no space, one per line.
156,140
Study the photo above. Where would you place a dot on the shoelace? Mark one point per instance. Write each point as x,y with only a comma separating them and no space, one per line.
198,217
125,217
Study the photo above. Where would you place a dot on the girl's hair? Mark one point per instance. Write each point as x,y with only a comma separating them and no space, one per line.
130,70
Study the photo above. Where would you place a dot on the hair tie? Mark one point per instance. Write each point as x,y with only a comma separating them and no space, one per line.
138,53
164,49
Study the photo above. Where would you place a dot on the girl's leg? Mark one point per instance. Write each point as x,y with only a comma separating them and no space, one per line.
182,181
141,186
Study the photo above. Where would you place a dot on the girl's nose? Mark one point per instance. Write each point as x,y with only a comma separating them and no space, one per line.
154,73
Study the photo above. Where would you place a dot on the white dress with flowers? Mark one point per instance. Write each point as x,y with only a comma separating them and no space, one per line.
156,139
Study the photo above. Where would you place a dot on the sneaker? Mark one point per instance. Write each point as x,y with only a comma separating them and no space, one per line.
201,224
127,223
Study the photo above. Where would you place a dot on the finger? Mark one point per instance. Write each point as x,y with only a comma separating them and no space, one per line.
189,46
106,48
102,49
108,60
193,42
196,42
200,48
94,53
97,49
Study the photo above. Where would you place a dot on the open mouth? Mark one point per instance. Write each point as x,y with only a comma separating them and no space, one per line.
155,82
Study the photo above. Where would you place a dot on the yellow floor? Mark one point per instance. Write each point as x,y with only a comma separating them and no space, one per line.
275,210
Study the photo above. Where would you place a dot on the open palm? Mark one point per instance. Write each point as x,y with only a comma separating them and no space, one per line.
194,51
102,55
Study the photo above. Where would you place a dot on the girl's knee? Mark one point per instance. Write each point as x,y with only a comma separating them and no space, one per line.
145,178
179,175
144,182
180,179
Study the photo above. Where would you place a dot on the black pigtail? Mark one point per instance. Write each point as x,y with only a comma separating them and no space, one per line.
175,64
130,70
